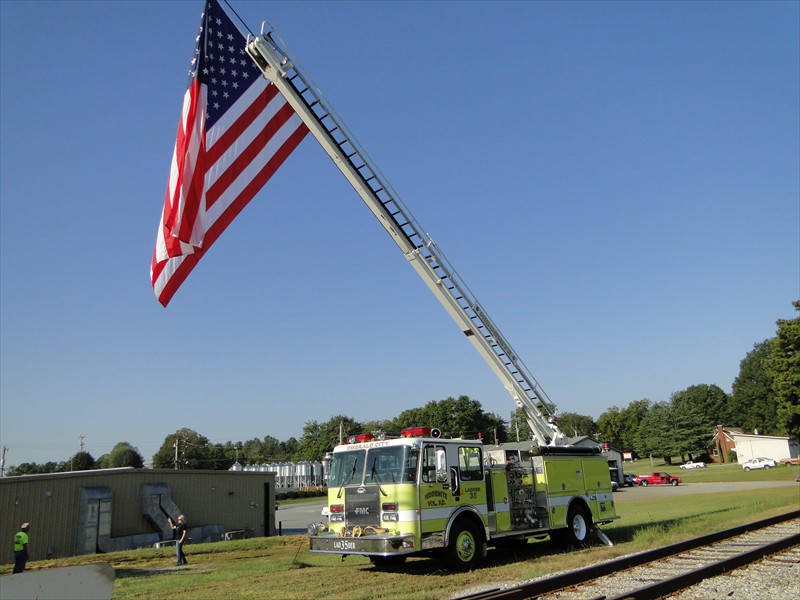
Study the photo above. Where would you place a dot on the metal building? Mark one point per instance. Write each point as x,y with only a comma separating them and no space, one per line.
84,512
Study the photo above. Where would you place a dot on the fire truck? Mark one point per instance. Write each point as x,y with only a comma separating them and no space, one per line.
420,493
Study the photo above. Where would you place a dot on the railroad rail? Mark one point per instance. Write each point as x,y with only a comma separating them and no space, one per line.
668,569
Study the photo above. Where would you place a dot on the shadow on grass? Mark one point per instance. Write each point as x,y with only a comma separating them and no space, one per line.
125,572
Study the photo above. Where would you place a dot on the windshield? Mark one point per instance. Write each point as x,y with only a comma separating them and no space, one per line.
387,464
392,464
347,467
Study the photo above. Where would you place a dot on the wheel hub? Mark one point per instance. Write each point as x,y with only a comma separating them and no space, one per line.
466,546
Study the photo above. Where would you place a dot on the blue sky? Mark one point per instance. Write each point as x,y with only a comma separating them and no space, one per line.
618,184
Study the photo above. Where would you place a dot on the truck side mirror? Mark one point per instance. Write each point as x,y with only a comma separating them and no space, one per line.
441,465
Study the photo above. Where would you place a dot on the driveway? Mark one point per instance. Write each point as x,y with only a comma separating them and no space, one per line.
293,519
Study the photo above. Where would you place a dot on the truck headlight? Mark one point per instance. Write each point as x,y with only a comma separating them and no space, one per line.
316,528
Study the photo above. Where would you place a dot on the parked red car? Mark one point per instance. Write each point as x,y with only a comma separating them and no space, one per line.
657,478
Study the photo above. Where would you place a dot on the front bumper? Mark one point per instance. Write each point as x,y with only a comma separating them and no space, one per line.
377,545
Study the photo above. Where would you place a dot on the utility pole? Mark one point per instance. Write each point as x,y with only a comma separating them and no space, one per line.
175,445
80,441
515,423
3,461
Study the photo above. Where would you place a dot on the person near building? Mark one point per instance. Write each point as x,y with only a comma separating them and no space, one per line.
21,548
180,538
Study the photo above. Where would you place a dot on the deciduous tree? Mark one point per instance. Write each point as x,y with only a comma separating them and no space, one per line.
28,468
519,430
753,404
631,423
657,432
320,438
192,451
122,454
575,425
456,417
80,461
611,427
784,365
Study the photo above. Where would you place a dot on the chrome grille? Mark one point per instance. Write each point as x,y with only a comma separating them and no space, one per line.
362,505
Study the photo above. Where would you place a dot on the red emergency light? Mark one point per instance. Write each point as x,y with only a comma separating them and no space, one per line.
420,432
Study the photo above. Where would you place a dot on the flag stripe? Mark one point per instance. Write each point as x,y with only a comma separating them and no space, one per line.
185,204
248,154
257,182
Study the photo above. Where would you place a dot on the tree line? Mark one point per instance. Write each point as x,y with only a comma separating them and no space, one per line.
122,454
765,397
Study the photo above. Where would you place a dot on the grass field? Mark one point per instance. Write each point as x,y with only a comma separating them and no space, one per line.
282,567
713,472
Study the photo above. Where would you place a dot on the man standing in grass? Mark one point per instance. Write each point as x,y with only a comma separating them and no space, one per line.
180,538
21,548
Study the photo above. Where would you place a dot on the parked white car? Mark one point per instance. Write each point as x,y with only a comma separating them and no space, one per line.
694,465
758,463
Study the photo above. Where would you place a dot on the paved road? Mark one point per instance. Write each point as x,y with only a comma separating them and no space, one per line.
291,519
661,491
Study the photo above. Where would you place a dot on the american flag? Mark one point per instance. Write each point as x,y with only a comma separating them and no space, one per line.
235,131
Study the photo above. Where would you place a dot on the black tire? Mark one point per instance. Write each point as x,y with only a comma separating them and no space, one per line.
674,482
579,526
464,547
747,468
643,484
387,562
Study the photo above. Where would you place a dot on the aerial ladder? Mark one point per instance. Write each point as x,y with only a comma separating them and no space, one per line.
276,63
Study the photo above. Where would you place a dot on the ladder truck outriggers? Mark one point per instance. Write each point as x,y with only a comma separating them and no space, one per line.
420,493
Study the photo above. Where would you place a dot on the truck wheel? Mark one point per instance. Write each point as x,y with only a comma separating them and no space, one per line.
385,562
463,549
674,482
579,525
644,484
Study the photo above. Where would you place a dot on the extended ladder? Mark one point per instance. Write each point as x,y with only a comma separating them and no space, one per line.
277,65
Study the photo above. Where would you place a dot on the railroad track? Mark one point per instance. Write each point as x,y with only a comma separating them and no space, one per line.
664,571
